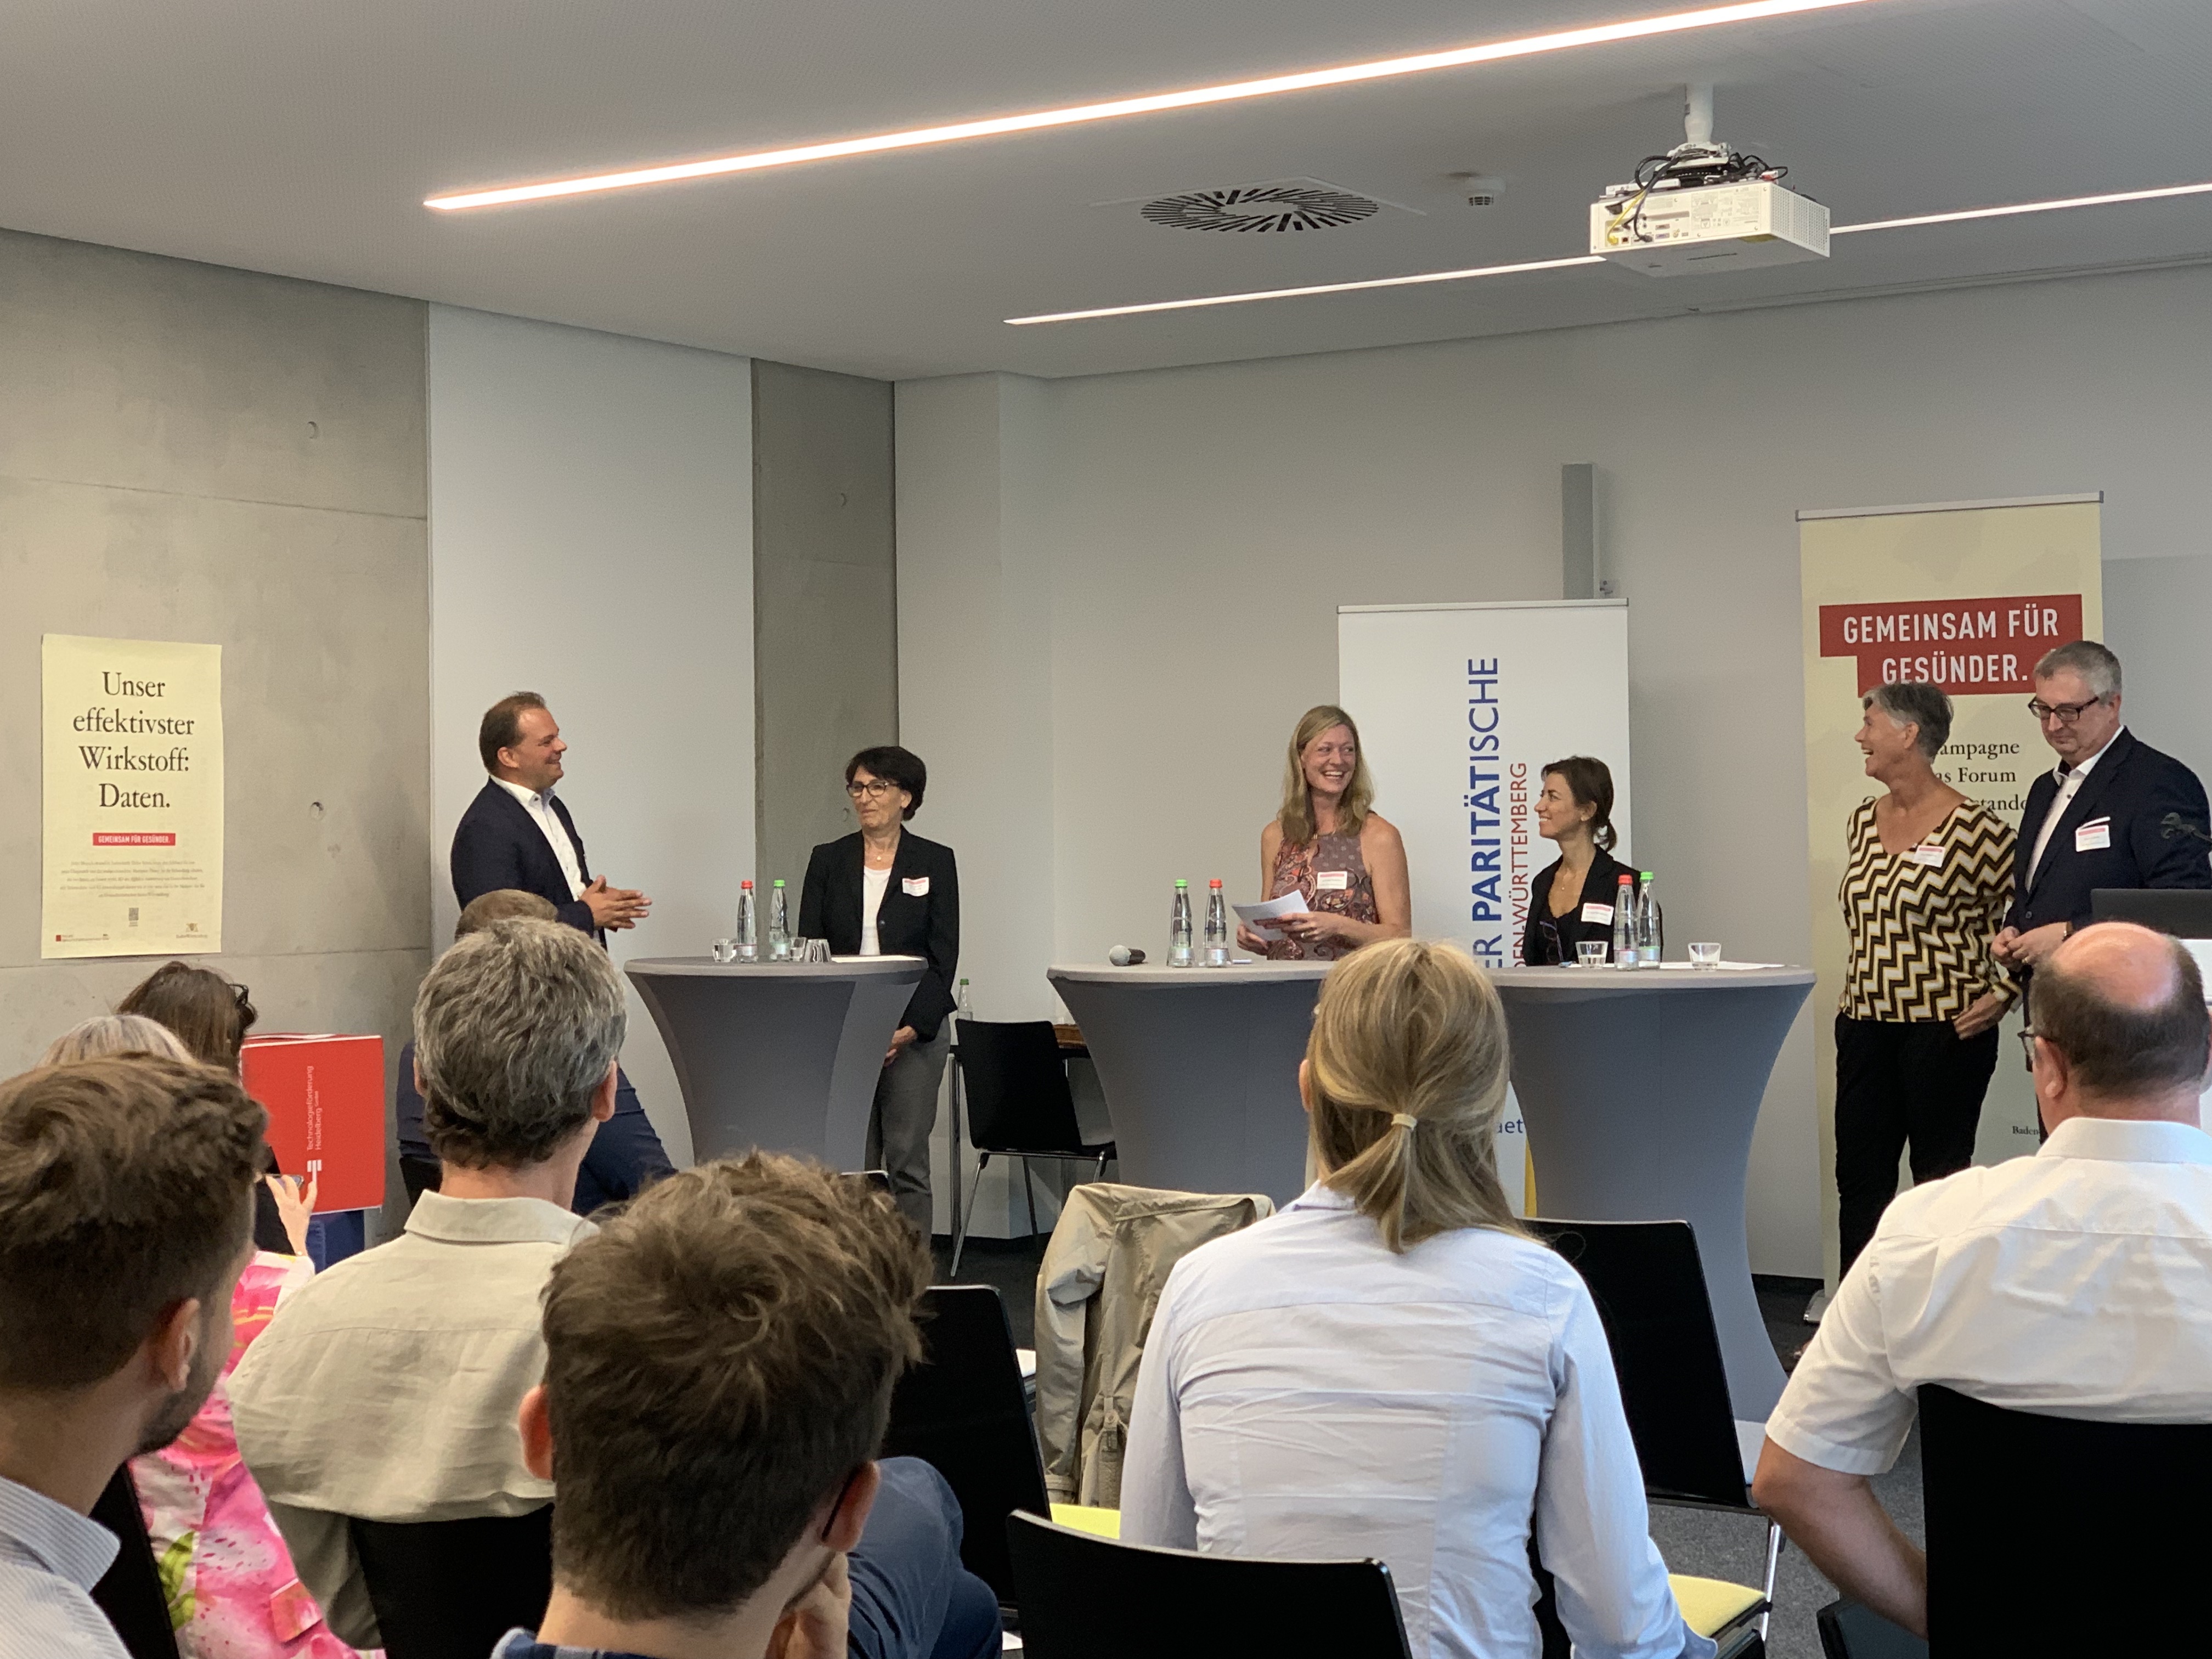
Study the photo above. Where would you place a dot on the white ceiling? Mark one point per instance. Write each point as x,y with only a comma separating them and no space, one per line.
298,137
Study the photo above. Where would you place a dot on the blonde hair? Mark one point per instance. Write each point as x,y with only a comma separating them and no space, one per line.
1405,1082
109,1034
1297,817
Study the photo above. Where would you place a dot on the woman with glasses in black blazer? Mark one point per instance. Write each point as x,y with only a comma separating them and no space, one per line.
1571,899
882,891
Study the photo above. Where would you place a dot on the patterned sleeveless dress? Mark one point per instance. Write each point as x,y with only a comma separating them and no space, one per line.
1332,875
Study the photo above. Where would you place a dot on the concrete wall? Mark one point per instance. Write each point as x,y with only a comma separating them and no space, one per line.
592,540
825,581
189,452
1197,528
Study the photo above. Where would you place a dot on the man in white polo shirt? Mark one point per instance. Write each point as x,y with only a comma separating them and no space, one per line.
2077,1283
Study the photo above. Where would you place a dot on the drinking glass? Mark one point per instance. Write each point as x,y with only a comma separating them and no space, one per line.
1706,956
1591,952
726,950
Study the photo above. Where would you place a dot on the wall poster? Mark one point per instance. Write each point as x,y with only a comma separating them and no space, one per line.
133,767
1965,596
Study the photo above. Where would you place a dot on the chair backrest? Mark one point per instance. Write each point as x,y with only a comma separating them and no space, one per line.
1017,1090
450,1589
1087,1597
964,1410
1650,1288
129,1592
1848,1631
2055,1535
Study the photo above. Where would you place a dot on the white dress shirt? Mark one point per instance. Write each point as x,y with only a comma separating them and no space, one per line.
540,804
874,883
2077,1283
386,1387
1306,1394
2069,787
49,1559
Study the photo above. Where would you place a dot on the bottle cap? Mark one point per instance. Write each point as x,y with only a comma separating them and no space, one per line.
746,884
1215,882
1180,882
780,881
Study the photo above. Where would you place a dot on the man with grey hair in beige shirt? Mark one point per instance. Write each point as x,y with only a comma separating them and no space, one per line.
387,1387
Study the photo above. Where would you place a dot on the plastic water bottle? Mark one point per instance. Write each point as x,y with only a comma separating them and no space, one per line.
1624,924
1650,934
962,1008
1216,926
1179,926
779,924
748,927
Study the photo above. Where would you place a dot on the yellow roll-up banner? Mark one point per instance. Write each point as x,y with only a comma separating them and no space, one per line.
1964,597
133,752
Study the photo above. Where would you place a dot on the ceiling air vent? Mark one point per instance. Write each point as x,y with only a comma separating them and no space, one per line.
1284,205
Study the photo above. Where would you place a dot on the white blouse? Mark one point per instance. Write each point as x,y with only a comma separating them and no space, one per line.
1306,1394
874,883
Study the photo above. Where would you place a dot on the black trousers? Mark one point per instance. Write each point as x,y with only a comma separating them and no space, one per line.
1901,1081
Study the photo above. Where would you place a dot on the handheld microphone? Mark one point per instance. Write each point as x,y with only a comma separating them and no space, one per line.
1123,956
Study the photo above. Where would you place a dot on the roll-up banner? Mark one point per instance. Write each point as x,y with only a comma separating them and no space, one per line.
1966,596
1460,708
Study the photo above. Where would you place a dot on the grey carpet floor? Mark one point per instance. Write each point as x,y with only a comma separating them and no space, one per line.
1696,1541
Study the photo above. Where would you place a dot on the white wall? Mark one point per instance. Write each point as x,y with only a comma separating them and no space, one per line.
591,538
1188,534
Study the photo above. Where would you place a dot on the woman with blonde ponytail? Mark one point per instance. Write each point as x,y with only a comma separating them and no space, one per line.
1391,1366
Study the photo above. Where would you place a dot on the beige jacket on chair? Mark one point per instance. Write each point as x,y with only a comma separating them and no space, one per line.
1104,1271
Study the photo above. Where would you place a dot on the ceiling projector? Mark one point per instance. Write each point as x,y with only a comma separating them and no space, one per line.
1702,207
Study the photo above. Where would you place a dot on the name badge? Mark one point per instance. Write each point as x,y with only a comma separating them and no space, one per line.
1929,852
915,886
1332,881
2094,837
1600,914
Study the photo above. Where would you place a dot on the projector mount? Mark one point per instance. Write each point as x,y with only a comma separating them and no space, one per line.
1698,160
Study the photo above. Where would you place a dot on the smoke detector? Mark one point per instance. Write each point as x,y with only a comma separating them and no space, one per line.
1481,190
1278,205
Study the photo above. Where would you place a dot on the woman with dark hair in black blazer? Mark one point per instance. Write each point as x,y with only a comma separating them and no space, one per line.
882,891
1571,899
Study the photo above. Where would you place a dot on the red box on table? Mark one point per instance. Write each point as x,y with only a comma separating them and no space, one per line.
324,1095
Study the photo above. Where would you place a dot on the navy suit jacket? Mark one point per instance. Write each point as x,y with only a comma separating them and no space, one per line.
2133,787
498,845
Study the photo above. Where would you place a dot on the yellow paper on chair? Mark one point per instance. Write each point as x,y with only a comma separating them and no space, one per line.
1084,1518
133,818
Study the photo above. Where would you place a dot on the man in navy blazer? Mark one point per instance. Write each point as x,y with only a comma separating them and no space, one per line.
517,836
2098,819
517,833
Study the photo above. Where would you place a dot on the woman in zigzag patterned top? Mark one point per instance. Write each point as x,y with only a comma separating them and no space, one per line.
1929,878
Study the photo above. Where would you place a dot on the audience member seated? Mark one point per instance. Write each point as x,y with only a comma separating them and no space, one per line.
718,1371
387,1387
211,1016
125,1218
2077,1283
1390,1367
233,1592
625,1157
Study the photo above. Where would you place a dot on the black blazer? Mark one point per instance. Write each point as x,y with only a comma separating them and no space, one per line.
1599,887
499,845
2134,786
925,925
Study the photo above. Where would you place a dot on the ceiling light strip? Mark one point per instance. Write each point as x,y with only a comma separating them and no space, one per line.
1343,74
2007,212
1301,292
2160,194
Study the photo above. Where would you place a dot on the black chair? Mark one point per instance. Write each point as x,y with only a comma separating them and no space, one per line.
1019,1106
450,1589
1087,1597
964,1410
1650,1288
1848,1631
2051,1535
129,1592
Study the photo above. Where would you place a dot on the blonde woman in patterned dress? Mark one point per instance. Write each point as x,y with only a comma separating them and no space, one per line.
1929,878
1327,844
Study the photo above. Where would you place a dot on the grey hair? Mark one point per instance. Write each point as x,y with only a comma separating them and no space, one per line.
1913,703
110,1034
2095,663
514,1029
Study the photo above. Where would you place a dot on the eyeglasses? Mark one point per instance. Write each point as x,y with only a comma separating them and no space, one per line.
873,789
2028,1036
2067,713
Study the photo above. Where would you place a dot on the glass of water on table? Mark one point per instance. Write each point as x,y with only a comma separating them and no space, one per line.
1590,952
